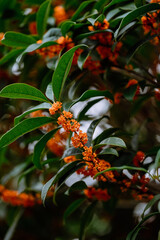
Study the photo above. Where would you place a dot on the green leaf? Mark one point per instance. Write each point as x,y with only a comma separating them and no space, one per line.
133,234
100,18
11,55
89,94
77,186
80,9
107,151
105,134
113,3
12,228
129,92
157,160
115,141
139,3
82,58
86,219
36,108
150,204
40,145
34,47
71,152
121,168
62,70
23,91
66,26
86,108
22,128
42,16
91,129
66,169
89,34
100,4
13,39
136,13
72,207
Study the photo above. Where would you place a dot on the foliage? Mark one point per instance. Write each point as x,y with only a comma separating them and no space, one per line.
80,90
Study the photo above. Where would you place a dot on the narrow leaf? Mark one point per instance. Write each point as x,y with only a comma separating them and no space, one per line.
66,26
13,39
42,16
150,204
105,134
22,128
113,2
80,9
71,151
109,151
62,70
139,3
23,91
36,108
11,55
40,146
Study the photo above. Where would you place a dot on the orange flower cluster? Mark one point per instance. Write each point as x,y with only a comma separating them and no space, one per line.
19,199
57,143
55,107
105,40
93,164
141,181
54,50
60,14
119,95
142,197
151,24
70,159
138,158
99,194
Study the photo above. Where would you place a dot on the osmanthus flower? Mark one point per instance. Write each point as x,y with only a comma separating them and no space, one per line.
60,14
142,197
151,24
79,139
55,107
99,194
54,50
118,97
138,158
18,199
70,159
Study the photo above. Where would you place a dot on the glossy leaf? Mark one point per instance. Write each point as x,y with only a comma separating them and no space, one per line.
42,16
89,94
91,129
130,92
121,168
72,208
35,46
100,4
40,145
86,108
80,9
82,58
110,151
113,2
14,39
66,26
136,13
36,108
22,128
71,151
89,34
23,91
11,55
63,171
105,134
150,204
77,186
62,70
114,141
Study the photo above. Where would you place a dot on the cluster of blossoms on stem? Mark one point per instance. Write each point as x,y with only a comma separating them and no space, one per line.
119,95
58,142
99,194
19,199
138,158
151,23
105,42
79,140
